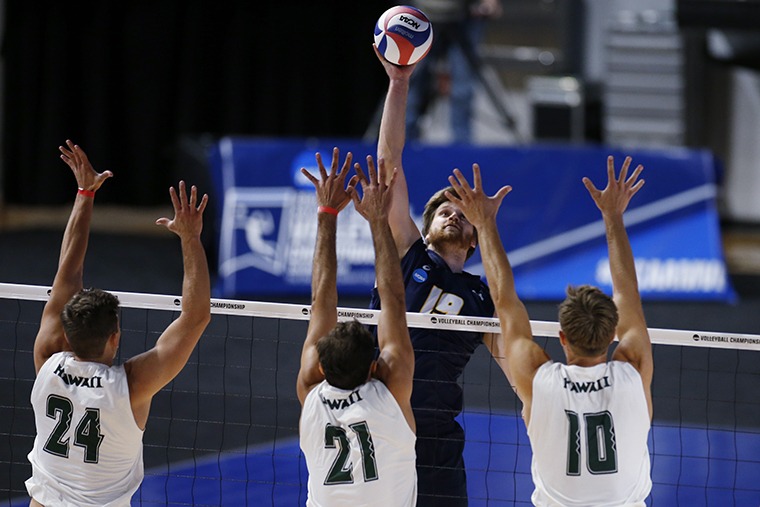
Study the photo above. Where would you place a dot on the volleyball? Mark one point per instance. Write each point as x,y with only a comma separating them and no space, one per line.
403,34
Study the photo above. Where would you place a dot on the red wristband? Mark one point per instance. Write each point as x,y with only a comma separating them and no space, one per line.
86,193
327,209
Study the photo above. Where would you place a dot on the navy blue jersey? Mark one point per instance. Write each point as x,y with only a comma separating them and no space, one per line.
440,356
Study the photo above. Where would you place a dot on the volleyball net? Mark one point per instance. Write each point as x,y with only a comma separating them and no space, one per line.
225,431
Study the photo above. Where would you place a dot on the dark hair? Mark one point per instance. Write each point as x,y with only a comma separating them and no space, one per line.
89,318
432,206
588,317
346,354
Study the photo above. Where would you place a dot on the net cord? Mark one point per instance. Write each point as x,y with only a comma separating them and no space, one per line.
682,337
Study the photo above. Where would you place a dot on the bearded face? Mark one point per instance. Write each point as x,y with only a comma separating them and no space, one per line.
449,227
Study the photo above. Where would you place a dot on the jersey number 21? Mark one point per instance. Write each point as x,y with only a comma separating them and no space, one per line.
340,471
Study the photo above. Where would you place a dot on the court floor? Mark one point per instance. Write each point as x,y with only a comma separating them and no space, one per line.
690,467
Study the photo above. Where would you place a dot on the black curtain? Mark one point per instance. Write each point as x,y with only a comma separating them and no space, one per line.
128,80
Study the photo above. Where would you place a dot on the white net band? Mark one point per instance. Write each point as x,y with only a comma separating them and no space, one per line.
682,337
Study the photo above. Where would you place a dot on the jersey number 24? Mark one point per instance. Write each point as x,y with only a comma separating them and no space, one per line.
87,434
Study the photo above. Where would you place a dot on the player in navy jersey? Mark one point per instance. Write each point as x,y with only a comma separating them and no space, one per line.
432,262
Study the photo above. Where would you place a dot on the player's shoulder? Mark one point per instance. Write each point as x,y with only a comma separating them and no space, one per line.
550,367
476,280
624,369
54,360
416,256
417,249
477,286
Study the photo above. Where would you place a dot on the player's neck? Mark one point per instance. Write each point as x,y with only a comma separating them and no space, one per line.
106,358
453,255
102,360
584,361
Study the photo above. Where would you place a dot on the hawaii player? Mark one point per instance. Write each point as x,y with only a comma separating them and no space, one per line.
357,426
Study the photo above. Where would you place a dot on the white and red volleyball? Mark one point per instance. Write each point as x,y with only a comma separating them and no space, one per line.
403,35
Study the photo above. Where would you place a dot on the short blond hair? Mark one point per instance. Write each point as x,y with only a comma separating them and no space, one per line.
588,317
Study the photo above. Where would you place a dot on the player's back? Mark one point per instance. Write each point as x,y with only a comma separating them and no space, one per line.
88,449
358,446
588,432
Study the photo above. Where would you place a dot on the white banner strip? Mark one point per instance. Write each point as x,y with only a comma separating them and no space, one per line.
683,337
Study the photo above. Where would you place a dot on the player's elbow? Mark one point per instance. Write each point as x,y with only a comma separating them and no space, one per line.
204,320
196,321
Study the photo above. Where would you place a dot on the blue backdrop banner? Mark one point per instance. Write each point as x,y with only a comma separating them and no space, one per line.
550,226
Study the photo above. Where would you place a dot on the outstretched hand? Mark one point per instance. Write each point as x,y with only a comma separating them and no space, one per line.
394,71
188,213
375,201
331,189
477,207
615,197
76,159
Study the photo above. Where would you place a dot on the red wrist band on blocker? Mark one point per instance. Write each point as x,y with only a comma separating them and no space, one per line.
86,193
327,209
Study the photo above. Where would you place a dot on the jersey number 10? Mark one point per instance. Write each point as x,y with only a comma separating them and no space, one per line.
601,454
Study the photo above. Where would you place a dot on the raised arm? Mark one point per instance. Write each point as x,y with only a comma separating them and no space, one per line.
390,147
635,346
523,355
331,198
68,278
148,372
395,365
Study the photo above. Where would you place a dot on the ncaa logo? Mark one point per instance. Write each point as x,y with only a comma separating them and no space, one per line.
419,275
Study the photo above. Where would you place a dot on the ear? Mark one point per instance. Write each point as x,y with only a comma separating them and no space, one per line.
113,343
562,338
321,371
114,339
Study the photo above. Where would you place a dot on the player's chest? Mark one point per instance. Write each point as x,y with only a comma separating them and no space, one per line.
431,290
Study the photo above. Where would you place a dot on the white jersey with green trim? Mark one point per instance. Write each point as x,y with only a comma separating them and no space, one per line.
588,432
88,447
358,446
